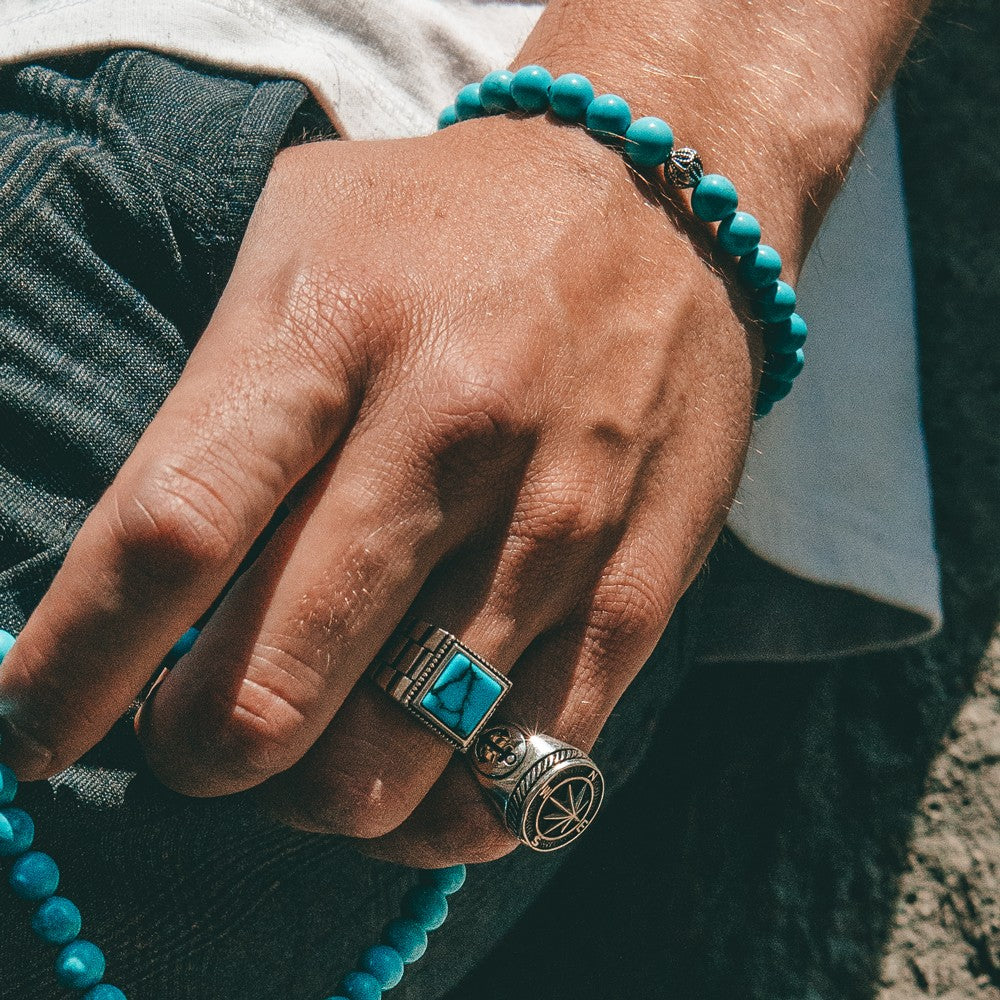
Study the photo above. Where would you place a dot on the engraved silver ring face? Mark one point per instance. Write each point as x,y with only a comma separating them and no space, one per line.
561,808
546,791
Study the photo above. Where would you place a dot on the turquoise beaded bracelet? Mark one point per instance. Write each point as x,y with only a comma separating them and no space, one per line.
648,143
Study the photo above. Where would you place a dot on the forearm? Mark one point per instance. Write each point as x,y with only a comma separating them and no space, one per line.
773,94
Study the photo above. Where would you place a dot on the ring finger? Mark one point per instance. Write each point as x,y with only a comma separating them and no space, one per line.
569,678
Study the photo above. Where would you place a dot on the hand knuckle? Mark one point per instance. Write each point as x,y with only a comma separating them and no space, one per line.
256,742
629,611
255,732
352,804
472,842
175,525
475,407
290,683
329,619
330,323
566,515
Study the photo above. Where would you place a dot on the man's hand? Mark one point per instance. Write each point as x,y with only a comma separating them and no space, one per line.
505,392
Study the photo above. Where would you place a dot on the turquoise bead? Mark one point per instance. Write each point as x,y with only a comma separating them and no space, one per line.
57,920
446,880
648,141
570,96
773,389
384,963
426,905
17,831
6,641
785,365
738,233
760,266
763,407
461,696
775,302
80,965
467,103
447,117
494,91
104,991
608,117
407,937
186,642
714,197
788,335
8,785
34,876
360,986
530,88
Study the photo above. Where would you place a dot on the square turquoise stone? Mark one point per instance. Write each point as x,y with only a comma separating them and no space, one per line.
462,695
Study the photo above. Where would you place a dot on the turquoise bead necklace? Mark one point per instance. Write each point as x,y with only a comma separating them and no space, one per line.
648,144
80,964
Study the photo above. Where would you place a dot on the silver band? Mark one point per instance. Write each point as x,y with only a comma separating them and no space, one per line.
439,680
546,791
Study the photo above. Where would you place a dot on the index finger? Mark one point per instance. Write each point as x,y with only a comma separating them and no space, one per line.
246,421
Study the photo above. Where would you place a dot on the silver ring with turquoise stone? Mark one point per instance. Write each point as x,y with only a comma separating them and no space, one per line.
440,681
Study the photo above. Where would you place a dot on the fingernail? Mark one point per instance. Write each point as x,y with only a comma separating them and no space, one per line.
23,753
137,722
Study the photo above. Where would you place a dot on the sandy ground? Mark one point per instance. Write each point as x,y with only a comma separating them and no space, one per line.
944,939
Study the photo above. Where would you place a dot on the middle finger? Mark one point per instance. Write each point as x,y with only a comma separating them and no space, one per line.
374,763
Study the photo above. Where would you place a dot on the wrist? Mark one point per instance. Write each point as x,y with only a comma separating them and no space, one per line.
742,84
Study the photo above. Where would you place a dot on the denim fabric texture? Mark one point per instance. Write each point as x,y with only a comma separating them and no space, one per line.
126,182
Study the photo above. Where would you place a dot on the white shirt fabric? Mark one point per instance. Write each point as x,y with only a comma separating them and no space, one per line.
835,501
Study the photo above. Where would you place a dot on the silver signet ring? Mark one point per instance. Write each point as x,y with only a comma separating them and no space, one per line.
546,791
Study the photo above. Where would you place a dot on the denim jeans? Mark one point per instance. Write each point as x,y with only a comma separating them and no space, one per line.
126,182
